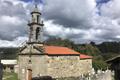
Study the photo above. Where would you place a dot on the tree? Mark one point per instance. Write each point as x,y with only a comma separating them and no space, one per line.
60,42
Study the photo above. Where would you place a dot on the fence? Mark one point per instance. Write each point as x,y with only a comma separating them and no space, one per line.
99,75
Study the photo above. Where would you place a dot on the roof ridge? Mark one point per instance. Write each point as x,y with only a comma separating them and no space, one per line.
57,46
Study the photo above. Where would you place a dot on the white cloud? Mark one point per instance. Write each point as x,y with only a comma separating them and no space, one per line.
83,17
111,9
11,20
70,13
15,2
15,43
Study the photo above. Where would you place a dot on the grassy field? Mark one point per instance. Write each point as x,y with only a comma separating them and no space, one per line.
9,76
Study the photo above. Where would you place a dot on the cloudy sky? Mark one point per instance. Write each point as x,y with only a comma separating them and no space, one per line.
81,21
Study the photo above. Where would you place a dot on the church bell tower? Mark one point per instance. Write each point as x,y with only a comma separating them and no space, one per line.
35,27
33,50
34,45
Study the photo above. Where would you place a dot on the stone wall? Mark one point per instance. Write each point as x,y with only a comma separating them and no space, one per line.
85,66
55,66
66,66
99,75
38,66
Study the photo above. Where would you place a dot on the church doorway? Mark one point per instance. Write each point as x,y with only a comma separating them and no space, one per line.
29,74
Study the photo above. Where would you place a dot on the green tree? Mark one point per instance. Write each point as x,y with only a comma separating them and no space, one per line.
60,42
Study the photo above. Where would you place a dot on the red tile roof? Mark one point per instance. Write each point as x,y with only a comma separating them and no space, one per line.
83,56
57,50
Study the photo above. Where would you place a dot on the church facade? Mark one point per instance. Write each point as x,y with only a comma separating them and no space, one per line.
37,59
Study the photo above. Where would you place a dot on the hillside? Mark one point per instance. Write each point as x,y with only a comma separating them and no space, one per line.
8,53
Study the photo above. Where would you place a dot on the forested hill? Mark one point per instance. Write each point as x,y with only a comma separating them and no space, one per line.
106,49
100,52
8,53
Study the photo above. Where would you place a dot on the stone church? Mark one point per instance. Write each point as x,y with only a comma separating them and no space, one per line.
37,59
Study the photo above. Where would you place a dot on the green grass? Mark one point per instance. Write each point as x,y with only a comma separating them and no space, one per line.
10,76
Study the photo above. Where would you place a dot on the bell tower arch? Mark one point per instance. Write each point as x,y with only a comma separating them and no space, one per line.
35,26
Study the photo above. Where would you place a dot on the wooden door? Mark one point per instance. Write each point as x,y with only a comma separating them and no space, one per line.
29,74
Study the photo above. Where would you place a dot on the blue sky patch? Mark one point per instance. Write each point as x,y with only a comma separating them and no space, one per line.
37,1
26,0
102,1
99,4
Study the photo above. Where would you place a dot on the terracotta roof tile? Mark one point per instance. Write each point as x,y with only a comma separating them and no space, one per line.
59,50
83,56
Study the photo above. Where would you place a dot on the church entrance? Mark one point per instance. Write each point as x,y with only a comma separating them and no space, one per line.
29,74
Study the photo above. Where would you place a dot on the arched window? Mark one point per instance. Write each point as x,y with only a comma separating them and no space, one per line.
37,18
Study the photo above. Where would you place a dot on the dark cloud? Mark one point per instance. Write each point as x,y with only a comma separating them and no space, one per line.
13,20
8,32
102,1
68,13
83,17
9,9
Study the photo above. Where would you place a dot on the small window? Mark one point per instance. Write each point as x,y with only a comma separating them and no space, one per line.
37,18
37,32
30,61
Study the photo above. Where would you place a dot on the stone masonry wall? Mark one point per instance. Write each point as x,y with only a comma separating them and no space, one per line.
67,66
55,66
38,66
85,66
